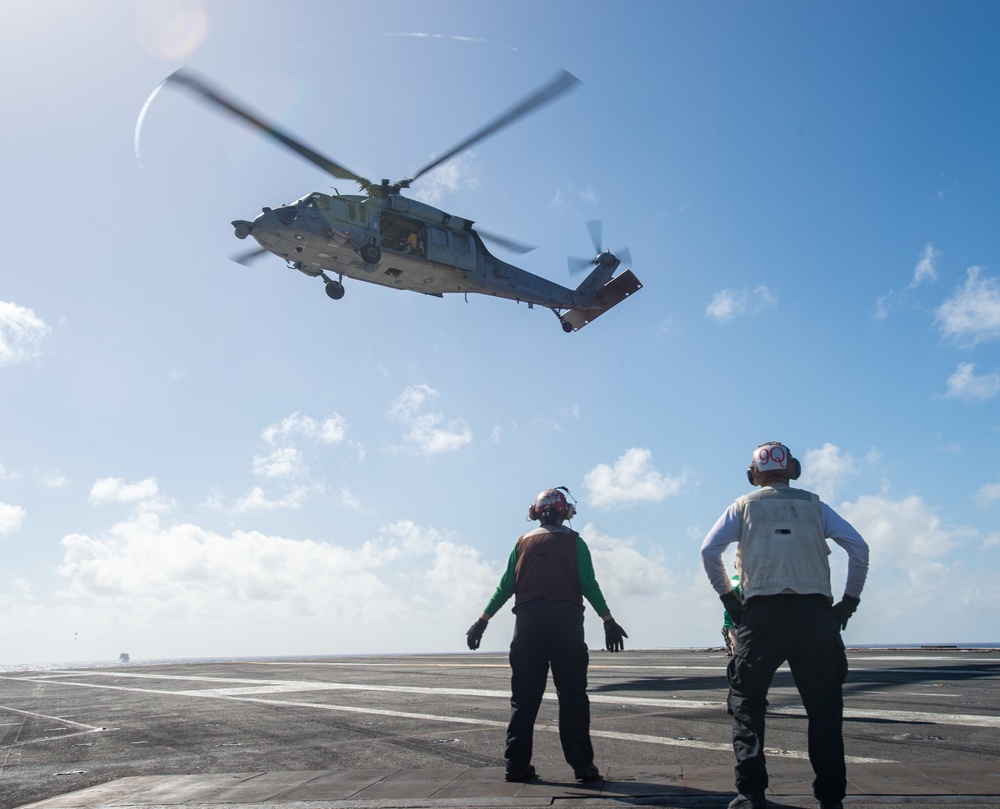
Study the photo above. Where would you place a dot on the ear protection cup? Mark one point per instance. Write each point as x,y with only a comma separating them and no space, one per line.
570,511
794,468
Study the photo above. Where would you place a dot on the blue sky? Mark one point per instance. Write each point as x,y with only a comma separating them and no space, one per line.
201,459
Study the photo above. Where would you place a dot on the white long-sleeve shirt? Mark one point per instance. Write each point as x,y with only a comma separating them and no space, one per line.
728,529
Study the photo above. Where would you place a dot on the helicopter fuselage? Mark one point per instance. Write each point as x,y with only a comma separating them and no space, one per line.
400,243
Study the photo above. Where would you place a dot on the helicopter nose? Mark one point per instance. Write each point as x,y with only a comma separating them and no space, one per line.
287,214
273,220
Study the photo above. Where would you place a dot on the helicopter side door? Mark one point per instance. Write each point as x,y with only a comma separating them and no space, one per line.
448,247
345,216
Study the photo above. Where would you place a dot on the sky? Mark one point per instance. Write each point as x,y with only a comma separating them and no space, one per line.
200,459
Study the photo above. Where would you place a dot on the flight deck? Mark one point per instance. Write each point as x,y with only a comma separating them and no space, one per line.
922,728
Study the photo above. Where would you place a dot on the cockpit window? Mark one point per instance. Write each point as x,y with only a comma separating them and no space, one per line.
316,201
287,214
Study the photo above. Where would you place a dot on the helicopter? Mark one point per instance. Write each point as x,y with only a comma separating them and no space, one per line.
382,237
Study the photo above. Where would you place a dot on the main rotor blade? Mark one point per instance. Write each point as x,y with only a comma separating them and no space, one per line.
562,82
188,80
245,258
505,242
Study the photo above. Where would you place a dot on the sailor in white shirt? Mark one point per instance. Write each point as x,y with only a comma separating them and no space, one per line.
786,612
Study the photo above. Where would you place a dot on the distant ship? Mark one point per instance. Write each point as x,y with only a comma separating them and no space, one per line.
123,657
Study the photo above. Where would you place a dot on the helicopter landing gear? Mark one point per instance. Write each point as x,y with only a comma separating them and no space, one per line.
566,325
334,289
370,253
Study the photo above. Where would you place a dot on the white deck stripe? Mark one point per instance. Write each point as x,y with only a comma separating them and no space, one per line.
249,687
212,693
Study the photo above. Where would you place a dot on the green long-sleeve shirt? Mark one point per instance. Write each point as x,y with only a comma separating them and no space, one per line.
586,582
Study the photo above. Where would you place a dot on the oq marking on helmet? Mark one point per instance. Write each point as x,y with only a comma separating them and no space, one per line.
772,457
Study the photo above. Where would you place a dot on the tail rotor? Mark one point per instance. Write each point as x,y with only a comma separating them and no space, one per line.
603,257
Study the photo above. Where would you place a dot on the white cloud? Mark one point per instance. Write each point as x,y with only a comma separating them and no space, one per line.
285,462
925,270
728,304
972,314
825,469
6,475
919,589
257,500
408,588
427,431
965,385
556,421
447,179
330,431
333,429
116,490
285,465
413,588
11,518
883,305
633,479
349,500
624,571
21,334
906,533
54,480
988,493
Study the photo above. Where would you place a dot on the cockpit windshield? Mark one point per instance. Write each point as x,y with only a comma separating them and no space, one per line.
315,200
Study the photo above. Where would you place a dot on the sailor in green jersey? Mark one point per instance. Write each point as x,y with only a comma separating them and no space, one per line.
549,574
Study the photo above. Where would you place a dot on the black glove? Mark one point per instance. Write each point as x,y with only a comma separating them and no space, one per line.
844,609
613,636
734,606
475,633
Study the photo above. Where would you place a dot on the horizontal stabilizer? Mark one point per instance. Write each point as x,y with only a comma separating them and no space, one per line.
611,294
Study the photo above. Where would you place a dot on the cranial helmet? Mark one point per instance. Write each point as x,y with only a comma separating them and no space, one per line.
550,506
770,458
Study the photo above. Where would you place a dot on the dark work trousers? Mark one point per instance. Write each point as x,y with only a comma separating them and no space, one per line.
801,629
549,633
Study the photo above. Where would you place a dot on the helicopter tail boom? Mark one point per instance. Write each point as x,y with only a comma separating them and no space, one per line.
610,295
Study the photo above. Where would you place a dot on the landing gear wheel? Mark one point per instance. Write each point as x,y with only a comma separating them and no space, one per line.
567,326
335,290
371,254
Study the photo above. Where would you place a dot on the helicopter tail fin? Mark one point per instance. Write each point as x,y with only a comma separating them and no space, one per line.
607,296
600,276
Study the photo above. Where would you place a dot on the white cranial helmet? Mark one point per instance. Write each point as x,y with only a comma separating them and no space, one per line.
773,457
